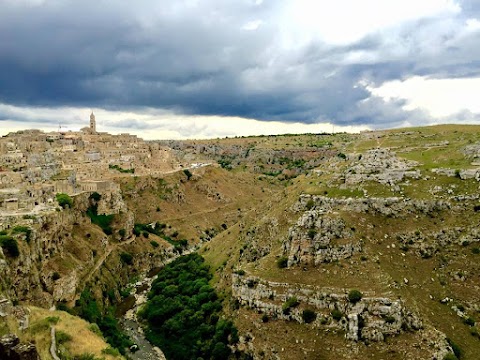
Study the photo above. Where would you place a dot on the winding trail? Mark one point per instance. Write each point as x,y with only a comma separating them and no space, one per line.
53,345
103,258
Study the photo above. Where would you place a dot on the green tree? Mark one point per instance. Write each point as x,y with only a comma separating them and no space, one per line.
64,200
354,296
309,316
187,173
10,245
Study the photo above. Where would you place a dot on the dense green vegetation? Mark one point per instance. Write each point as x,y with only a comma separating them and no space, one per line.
9,245
88,308
25,230
104,221
126,258
159,230
183,313
64,200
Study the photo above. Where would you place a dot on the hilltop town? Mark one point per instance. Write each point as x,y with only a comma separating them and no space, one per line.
35,165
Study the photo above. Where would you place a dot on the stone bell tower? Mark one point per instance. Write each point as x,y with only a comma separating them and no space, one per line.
93,126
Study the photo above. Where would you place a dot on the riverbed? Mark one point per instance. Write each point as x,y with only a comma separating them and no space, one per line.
129,321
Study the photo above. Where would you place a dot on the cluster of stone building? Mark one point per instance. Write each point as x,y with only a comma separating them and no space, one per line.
35,165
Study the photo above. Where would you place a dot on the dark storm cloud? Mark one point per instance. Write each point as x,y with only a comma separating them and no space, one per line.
197,58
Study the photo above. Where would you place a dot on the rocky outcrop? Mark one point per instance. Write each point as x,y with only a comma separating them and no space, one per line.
463,174
255,244
314,239
12,349
426,244
60,249
371,318
390,206
381,165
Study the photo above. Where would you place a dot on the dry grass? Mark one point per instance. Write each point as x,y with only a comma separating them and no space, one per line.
83,339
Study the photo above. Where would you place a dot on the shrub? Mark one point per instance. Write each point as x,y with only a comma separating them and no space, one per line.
95,329
312,233
61,306
469,321
86,356
310,204
10,245
122,232
282,262
187,173
126,258
95,196
122,170
111,351
20,229
55,276
450,356
354,296
154,243
240,272
64,200
290,303
62,337
308,316
476,250
104,221
265,318
52,320
456,349
389,319
336,314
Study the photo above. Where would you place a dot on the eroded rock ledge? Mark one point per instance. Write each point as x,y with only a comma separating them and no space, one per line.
371,318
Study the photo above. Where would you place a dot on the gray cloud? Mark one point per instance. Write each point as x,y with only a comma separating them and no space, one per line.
196,58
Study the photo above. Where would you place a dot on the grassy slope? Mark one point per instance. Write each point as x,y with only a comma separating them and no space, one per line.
83,339
384,269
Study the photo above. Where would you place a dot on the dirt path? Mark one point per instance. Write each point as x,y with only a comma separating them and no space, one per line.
103,258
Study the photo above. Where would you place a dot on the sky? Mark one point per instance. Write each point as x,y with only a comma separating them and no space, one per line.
176,69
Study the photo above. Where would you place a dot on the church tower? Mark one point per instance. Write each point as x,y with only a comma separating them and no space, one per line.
93,126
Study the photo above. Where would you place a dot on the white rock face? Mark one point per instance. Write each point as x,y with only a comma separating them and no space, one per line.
65,288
